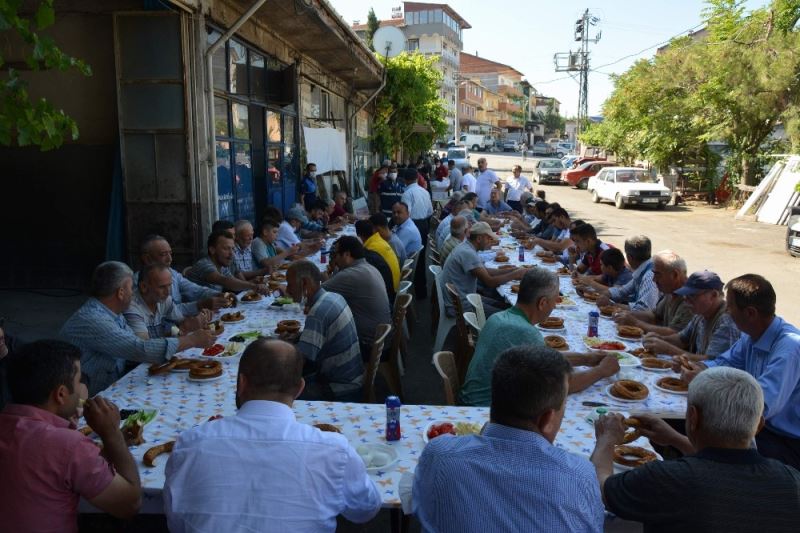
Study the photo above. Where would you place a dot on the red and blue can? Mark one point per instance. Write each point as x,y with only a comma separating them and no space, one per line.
393,418
594,322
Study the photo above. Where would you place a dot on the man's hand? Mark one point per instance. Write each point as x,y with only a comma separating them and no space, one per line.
102,416
603,300
262,289
659,432
689,370
201,338
657,345
609,429
625,318
609,365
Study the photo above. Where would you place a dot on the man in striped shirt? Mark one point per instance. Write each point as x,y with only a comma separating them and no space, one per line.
329,342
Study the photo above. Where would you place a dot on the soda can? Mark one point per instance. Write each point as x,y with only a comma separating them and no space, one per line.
323,256
594,321
521,254
393,418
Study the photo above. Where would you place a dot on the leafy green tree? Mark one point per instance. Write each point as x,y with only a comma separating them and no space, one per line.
22,121
372,26
409,104
553,122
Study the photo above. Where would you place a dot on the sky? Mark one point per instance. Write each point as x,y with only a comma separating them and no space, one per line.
526,35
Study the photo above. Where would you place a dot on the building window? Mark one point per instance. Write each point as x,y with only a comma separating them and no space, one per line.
423,17
413,44
437,15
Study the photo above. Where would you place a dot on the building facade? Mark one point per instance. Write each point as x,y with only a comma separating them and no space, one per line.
506,82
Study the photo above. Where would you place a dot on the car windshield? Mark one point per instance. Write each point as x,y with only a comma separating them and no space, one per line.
553,163
634,176
456,154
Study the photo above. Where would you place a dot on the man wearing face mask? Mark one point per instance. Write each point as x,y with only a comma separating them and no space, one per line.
309,186
374,196
391,190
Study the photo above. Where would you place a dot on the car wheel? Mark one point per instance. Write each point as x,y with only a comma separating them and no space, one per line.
476,148
619,202
583,184
559,154
595,197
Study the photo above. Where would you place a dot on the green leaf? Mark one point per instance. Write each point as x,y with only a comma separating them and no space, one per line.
45,16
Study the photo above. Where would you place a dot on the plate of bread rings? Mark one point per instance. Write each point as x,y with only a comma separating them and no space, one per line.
628,457
288,326
672,386
500,258
552,323
590,296
237,316
549,260
183,364
563,271
607,311
251,298
641,352
654,364
203,371
629,333
628,391
556,342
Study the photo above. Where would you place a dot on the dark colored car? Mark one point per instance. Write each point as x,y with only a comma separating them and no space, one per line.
541,149
793,233
548,171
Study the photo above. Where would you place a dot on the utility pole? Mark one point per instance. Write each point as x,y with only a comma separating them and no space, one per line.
577,63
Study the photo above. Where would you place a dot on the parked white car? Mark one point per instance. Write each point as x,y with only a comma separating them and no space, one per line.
628,186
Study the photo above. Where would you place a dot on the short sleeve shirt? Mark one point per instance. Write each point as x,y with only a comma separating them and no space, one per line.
156,324
723,335
205,266
286,236
262,250
458,271
673,312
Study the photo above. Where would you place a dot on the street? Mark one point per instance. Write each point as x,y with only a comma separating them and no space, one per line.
707,237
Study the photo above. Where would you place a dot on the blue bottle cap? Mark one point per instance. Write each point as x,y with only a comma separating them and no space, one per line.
393,401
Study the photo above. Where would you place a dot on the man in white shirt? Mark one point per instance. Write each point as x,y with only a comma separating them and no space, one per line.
485,182
468,181
515,186
261,470
420,209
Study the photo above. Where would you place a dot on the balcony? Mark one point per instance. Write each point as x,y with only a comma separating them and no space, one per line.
469,98
509,107
509,90
510,123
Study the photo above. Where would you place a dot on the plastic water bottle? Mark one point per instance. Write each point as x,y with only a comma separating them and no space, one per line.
393,418
594,321
596,414
521,254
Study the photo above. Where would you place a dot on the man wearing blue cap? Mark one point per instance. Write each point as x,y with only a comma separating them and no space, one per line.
710,332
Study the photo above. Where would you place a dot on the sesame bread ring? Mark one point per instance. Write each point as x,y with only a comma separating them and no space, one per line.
623,453
155,451
205,370
627,389
156,368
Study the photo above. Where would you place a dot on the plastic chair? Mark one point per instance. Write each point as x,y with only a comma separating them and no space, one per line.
405,274
465,346
475,300
381,332
404,287
408,262
445,364
445,323
393,368
185,272
472,321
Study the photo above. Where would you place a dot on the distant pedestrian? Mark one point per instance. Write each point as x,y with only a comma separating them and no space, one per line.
309,186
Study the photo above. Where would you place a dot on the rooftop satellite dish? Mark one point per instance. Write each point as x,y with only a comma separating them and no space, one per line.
389,41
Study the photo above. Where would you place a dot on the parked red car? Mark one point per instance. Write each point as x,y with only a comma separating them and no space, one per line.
579,177
581,160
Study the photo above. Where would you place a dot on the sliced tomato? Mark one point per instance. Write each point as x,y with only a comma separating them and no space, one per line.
214,350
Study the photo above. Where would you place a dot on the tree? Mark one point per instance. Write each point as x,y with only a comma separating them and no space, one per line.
372,26
553,122
23,121
409,103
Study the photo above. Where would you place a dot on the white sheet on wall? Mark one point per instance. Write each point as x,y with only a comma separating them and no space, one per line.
326,148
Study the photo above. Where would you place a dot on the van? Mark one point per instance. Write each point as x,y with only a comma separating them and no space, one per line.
476,141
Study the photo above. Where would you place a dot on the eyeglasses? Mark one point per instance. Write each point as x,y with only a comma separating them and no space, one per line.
695,296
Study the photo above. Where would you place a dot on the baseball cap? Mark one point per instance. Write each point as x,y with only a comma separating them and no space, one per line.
699,282
296,213
482,228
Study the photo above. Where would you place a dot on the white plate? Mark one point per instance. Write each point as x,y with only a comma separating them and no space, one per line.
425,438
627,361
657,370
603,350
627,339
382,448
662,389
608,393
551,330
196,380
251,302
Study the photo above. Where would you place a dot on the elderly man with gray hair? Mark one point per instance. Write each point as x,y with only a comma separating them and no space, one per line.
516,326
722,483
458,232
106,341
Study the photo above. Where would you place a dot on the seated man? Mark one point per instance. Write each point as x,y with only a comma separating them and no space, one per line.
530,484
711,330
339,213
224,225
188,296
46,465
769,350
243,253
329,342
464,268
496,205
588,249
458,232
672,313
152,314
443,229
721,483
537,297
362,287
560,240
641,293
99,329
265,251
374,244
279,474
287,233
405,229
614,272
218,270
546,230
381,225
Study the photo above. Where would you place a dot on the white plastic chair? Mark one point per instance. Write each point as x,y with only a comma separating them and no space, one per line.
445,322
475,300
472,321
408,263
404,286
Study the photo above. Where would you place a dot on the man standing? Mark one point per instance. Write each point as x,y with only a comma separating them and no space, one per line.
721,481
391,190
405,229
280,475
362,287
329,341
420,210
308,186
381,225
768,350
517,185
513,460
641,293
484,182
456,177
99,329
468,182
218,271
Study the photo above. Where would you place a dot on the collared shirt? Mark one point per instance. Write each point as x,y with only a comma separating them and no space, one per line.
261,470
381,247
710,337
592,259
263,250
287,237
155,324
443,229
46,466
515,188
774,360
623,278
391,192
641,292
418,201
399,248
456,179
448,246
458,271
330,340
312,225
185,293
204,266
503,330
484,184
409,235
338,212
362,287
524,482
106,342
243,257
468,182
716,489
500,207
